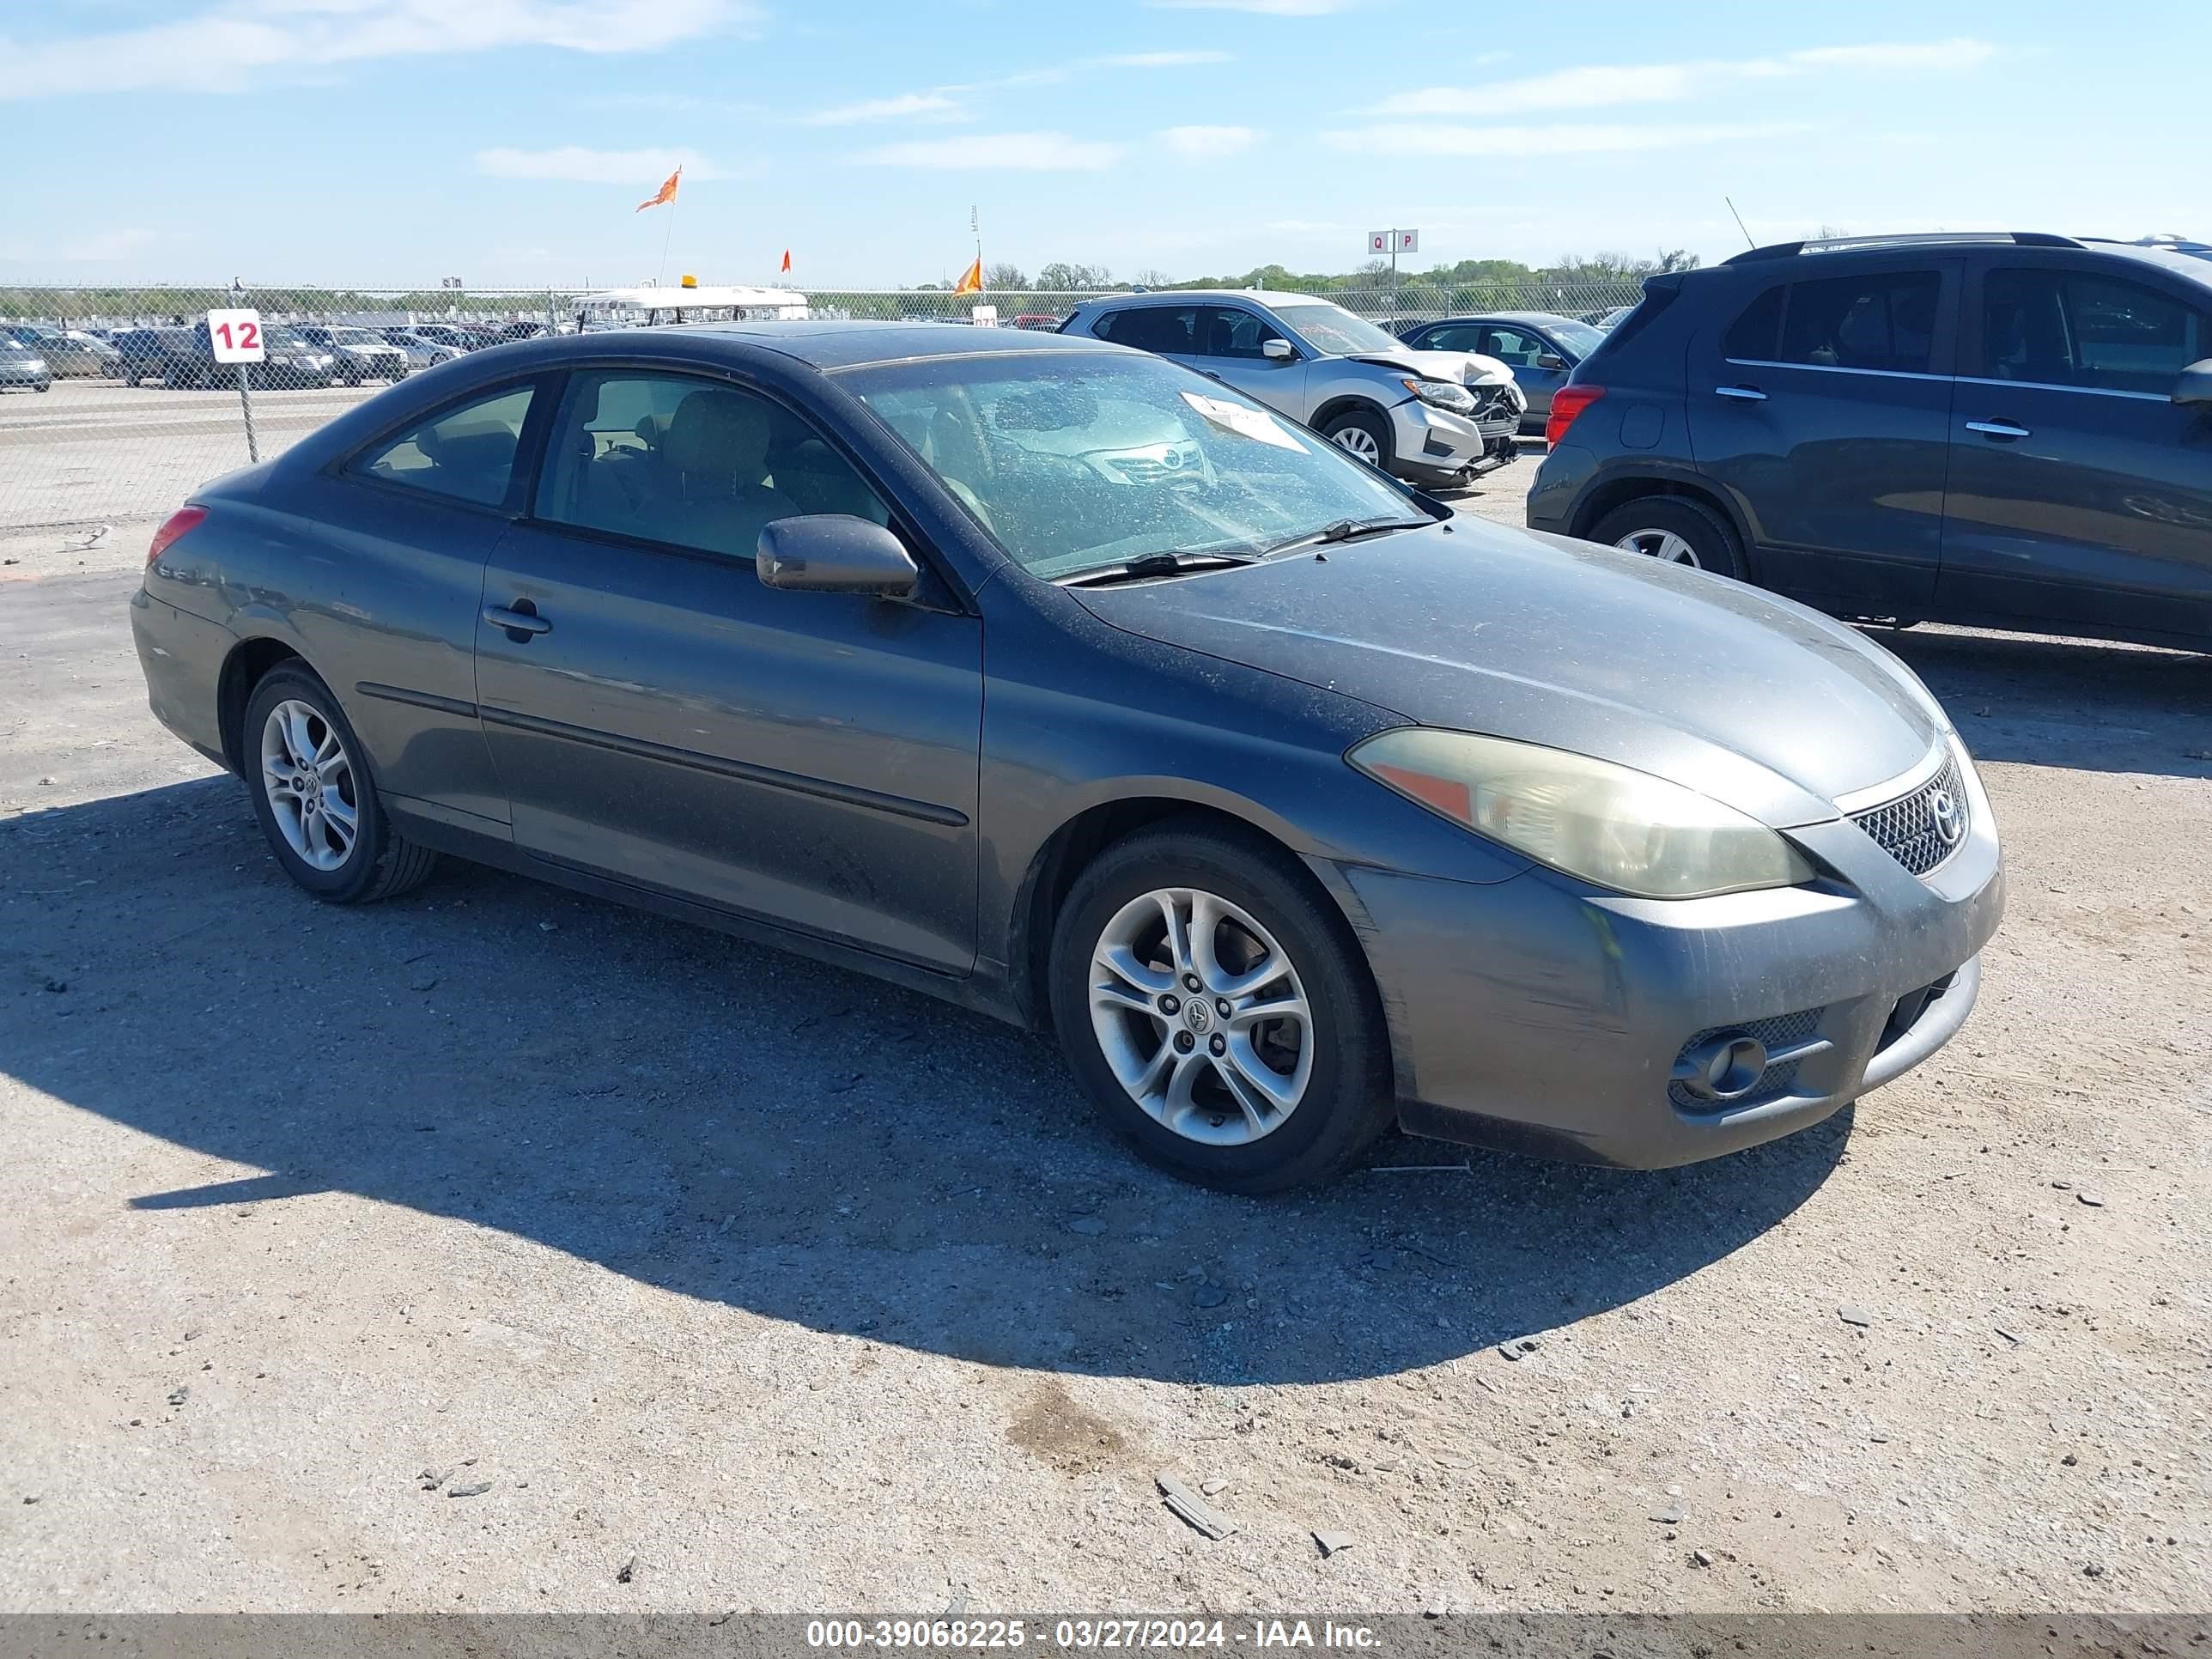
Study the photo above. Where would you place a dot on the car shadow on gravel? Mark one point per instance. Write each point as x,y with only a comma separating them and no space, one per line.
735,1125
2076,703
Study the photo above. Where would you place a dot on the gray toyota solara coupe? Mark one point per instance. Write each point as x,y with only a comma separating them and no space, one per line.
1051,678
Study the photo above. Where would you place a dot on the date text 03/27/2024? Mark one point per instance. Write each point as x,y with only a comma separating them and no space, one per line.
1087,1634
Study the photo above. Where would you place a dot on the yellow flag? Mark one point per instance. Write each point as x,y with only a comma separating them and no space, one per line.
971,280
665,193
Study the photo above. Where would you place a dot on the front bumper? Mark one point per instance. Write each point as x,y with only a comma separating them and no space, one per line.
1539,1015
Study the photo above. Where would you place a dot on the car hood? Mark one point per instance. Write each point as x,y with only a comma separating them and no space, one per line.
1748,697
1467,368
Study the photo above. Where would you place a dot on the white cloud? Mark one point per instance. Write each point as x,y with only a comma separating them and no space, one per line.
1411,138
1204,142
1159,59
1272,8
240,45
575,164
108,245
1601,86
933,105
1025,152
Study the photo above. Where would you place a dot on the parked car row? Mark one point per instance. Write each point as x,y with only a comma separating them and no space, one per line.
67,353
298,355
1432,416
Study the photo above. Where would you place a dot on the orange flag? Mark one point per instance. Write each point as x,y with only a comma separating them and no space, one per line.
665,193
971,280
787,259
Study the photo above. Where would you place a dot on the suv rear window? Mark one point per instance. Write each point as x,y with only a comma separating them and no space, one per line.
1751,337
1877,320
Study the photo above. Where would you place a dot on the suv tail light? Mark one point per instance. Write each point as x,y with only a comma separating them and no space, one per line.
174,529
1568,402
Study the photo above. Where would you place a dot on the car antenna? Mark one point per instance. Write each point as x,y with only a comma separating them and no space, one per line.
1748,242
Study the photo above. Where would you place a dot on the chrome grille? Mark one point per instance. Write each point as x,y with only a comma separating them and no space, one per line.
1781,1031
1909,829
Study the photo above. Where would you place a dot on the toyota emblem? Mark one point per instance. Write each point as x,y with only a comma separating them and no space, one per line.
1949,817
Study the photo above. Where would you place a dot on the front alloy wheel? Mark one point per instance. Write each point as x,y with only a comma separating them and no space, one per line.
1217,1010
1200,1013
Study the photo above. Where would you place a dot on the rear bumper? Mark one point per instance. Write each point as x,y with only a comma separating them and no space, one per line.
182,657
1539,1016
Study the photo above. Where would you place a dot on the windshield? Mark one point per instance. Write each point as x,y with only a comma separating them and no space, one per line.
282,334
1578,338
1335,330
355,336
1078,461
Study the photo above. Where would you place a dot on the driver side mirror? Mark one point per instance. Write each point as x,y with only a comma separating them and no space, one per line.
1278,351
1552,360
2195,386
834,553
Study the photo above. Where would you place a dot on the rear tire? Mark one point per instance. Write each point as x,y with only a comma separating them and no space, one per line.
1363,434
1676,530
1242,1103
314,796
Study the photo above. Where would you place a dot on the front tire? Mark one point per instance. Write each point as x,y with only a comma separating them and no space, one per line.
1674,530
1362,433
1274,1071
314,797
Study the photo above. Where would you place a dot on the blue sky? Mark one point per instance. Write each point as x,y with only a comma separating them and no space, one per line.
508,141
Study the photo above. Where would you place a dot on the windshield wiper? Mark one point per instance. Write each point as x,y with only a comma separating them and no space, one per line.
1155,564
1343,530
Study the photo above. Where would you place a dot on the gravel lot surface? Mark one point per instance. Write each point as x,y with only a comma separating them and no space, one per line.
459,1252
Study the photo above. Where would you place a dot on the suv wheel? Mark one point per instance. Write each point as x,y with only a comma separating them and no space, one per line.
1674,530
1361,432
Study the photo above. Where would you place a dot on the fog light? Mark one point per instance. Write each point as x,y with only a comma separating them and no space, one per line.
1726,1066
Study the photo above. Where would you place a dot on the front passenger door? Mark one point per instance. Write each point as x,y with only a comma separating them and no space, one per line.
659,716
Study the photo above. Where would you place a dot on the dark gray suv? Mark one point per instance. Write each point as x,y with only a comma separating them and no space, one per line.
2005,431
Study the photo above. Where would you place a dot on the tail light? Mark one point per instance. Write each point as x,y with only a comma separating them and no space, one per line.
1568,402
174,529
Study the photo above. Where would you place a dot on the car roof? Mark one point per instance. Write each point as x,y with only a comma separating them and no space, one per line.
1534,319
829,344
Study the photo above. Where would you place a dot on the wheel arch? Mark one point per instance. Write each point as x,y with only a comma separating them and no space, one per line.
1618,492
1064,855
244,668
1346,401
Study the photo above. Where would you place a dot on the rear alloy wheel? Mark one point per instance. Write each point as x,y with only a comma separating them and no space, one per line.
1362,433
313,796
1218,1018
1674,531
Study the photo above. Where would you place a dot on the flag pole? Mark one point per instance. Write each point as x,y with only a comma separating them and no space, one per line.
674,202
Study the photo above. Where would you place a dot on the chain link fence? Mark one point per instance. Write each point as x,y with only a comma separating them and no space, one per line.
125,412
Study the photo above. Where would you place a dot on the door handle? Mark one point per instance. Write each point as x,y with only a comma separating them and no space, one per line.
1742,394
516,620
1998,428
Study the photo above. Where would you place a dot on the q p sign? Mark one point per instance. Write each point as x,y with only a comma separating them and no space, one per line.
236,336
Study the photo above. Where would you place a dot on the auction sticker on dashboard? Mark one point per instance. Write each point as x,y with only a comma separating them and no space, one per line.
1244,421
235,336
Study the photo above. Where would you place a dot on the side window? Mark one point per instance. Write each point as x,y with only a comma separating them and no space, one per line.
2067,328
692,462
1751,337
1461,337
1881,320
1154,328
1512,346
466,452
1230,332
